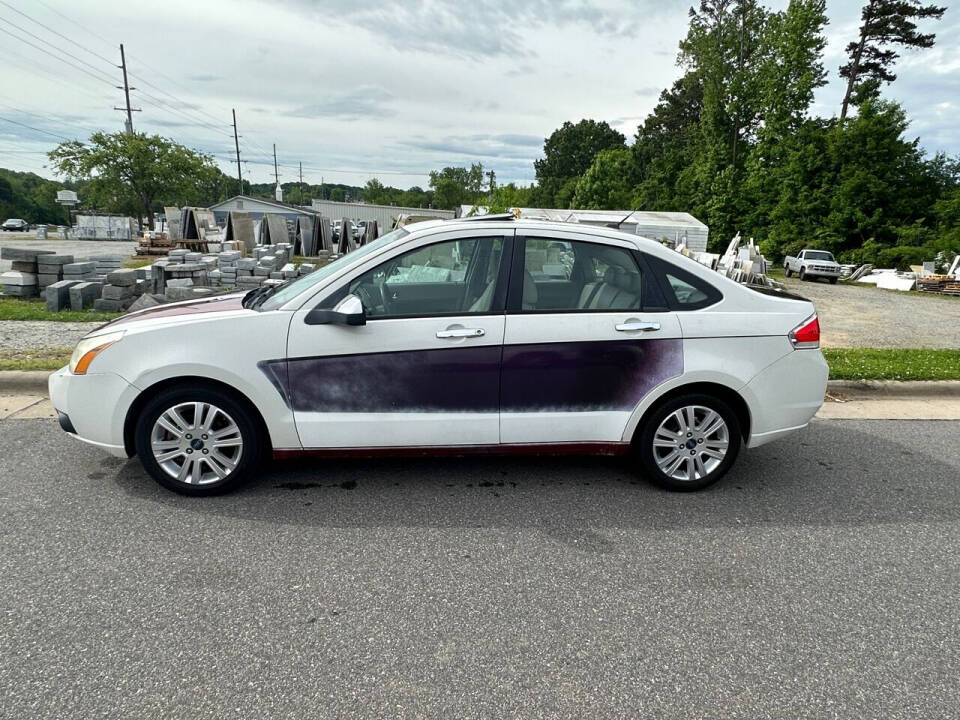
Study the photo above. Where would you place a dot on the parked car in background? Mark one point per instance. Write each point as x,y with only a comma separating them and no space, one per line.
15,225
456,337
813,264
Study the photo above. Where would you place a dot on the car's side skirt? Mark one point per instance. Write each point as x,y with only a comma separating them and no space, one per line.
568,448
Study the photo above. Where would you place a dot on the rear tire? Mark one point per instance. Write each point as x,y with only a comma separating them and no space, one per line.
197,440
689,442
789,271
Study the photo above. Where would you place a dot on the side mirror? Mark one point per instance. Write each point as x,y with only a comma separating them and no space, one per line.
348,311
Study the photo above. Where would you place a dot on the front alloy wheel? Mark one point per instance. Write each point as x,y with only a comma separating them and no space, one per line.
197,441
690,442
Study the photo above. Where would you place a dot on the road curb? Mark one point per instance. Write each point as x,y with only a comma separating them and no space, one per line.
895,388
30,381
35,381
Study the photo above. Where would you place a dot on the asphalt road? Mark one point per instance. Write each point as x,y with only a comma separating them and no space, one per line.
819,580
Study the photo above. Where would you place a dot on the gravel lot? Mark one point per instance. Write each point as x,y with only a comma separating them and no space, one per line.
35,335
858,315
819,580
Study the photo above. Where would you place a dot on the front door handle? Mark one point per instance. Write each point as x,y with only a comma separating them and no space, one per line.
460,332
643,325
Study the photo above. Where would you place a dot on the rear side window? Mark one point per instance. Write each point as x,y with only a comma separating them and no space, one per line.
684,290
576,276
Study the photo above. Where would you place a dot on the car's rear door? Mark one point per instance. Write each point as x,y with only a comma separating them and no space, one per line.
587,336
425,369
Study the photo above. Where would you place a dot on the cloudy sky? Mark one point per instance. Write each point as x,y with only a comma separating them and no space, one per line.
356,89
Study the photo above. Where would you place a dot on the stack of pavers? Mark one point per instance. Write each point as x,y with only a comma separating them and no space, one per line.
106,264
119,292
245,279
84,290
50,269
227,260
21,280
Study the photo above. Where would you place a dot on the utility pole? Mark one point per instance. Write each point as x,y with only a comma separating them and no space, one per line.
493,180
236,143
301,182
128,127
277,191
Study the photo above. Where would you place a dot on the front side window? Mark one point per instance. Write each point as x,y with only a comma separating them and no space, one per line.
455,277
572,276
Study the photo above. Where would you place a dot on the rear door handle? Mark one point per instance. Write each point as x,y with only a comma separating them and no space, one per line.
644,325
460,332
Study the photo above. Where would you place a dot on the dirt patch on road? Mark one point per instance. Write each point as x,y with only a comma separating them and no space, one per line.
857,315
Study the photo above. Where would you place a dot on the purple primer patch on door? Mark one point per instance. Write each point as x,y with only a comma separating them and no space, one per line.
446,380
585,376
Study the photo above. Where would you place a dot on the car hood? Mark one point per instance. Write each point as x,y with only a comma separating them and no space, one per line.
178,312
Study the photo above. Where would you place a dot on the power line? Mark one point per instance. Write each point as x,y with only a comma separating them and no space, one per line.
39,117
30,127
74,22
61,35
55,57
63,52
35,67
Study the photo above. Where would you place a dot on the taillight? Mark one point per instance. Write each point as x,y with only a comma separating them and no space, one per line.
806,334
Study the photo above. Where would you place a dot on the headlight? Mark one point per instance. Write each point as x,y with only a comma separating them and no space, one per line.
88,348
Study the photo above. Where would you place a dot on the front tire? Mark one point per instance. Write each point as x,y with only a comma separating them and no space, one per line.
833,280
689,442
803,274
196,440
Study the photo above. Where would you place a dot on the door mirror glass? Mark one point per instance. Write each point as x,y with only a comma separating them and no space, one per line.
348,311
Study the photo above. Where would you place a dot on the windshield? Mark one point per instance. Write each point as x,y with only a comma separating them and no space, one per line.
285,293
818,255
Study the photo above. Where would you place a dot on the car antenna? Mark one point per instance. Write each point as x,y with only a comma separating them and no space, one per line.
616,226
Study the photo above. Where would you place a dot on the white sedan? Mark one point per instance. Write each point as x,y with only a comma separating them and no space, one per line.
457,337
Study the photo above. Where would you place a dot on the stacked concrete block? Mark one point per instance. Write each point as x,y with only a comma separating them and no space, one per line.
289,271
177,256
24,262
19,284
119,292
57,295
83,294
194,271
50,268
105,264
306,268
79,271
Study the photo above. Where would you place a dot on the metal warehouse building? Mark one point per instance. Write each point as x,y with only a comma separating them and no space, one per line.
383,214
674,227
257,207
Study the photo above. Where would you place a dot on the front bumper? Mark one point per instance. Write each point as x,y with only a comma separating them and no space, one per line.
93,407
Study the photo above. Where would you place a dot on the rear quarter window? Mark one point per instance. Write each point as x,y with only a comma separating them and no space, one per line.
683,290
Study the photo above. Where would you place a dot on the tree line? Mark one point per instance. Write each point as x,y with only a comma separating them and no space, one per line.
733,141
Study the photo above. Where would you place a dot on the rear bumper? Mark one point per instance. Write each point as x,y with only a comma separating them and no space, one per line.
93,408
786,395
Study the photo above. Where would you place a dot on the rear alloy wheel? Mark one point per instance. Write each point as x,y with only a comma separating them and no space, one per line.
690,442
197,441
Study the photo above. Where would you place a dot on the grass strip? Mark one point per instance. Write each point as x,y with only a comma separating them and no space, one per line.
892,364
33,309
45,359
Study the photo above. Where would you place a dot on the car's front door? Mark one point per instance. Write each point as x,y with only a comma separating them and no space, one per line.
424,369
587,337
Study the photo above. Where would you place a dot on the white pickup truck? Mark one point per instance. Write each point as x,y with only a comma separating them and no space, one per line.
813,264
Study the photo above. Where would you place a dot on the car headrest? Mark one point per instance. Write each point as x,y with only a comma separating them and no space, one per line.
530,294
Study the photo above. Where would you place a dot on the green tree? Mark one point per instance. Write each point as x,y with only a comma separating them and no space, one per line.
568,153
136,172
608,183
454,186
870,57
375,193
